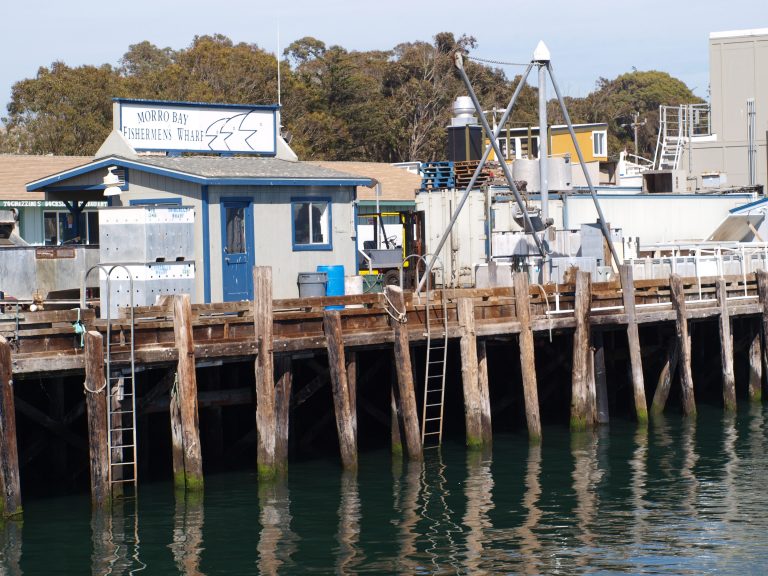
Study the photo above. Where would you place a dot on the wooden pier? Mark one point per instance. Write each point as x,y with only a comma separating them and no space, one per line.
179,339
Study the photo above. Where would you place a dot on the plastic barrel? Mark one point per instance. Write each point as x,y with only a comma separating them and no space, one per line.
312,284
335,286
353,285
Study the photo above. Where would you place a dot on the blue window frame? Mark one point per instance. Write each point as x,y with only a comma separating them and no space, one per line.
311,223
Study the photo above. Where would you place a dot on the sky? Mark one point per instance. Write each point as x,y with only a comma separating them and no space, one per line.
587,40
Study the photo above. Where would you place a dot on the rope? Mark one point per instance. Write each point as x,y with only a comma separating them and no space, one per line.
97,391
498,62
400,316
79,329
546,300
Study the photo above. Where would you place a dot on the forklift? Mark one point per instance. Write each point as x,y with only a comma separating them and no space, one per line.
383,259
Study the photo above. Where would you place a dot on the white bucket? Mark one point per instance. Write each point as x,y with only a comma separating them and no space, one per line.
353,285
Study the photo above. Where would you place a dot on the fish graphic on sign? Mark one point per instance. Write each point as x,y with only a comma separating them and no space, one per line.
233,133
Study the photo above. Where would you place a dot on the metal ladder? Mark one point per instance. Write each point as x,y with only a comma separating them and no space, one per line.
121,396
434,376
672,135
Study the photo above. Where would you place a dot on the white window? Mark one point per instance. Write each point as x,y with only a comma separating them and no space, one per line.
311,224
599,143
59,227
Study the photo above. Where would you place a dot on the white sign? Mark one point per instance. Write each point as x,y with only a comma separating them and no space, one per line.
181,127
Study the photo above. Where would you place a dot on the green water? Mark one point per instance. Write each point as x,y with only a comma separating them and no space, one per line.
681,498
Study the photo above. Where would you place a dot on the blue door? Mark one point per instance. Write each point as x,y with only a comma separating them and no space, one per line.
237,249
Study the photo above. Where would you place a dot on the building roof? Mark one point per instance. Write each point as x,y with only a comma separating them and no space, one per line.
18,169
397,184
215,170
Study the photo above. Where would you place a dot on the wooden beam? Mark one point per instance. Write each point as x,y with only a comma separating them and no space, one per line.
583,401
9,456
340,385
351,360
265,375
684,344
96,401
726,348
665,378
407,395
762,291
191,476
527,358
473,417
284,372
633,336
755,370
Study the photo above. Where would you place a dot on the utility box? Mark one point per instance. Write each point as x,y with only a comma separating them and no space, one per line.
665,182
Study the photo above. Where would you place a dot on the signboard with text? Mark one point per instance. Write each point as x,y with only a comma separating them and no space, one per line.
186,127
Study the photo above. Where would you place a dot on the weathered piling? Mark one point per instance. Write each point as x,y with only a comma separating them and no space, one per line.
684,344
527,359
665,379
633,336
762,293
395,422
265,376
351,357
726,348
284,373
96,404
407,394
755,370
583,397
190,477
9,455
485,392
598,373
339,383
469,377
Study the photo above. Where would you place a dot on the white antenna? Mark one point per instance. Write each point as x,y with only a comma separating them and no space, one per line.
277,57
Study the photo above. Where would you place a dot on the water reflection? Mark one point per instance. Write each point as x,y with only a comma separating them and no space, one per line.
529,543
586,475
406,497
188,535
277,542
116,546
478,491
349,525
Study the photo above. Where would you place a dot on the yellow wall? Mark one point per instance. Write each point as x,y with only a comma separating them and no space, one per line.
562,144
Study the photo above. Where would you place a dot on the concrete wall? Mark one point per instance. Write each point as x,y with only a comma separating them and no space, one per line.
738,71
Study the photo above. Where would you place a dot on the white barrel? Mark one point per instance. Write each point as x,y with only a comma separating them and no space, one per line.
353,285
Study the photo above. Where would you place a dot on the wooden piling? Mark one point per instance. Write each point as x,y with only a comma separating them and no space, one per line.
191,476
633,336
339,383
601,383
762,293
684,344
96,404
527,359
265,376
583,397
665,379
407,393
469,377
9,456
755,370
485,392
284,372
726,348
351,357
395,421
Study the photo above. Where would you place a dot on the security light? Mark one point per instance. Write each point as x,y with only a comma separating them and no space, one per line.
112,182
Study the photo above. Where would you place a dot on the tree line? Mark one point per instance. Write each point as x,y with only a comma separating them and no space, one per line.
378,106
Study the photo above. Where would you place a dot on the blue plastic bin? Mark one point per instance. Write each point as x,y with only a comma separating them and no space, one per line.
335,285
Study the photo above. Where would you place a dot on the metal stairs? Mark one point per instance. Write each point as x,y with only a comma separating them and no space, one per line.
434,374
671,138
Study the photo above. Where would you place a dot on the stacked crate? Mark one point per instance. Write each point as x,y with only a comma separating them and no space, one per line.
155,244
463,174
436,176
